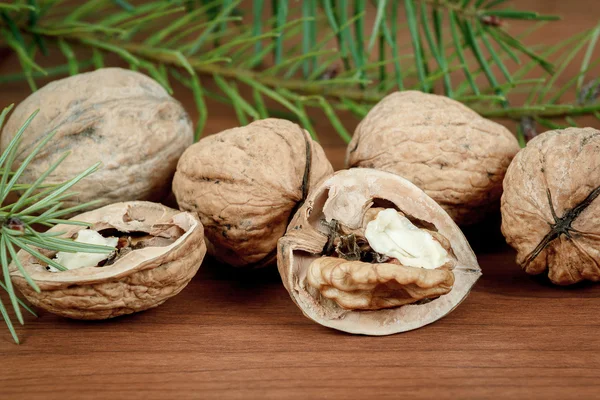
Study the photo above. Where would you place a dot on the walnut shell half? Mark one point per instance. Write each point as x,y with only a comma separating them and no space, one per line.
374,297
550,206
245,184
456,156
143,278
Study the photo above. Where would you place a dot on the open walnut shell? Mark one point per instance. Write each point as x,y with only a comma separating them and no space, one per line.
169,250
377,297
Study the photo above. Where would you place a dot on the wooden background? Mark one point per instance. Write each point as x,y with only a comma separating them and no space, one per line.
231,335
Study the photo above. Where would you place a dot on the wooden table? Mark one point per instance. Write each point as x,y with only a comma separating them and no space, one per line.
230,335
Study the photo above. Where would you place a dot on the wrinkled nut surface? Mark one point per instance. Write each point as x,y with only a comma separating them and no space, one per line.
245,184
122,118
457,157
168,248
550,210
357,285
329,265
406,263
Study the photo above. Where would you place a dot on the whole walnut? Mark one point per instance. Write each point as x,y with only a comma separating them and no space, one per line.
158,251
117,116
245,184
371,253
448,150
550,210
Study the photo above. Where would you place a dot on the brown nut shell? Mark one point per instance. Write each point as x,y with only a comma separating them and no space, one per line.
120,117
141,279
456,156
550,209
245,183
346,197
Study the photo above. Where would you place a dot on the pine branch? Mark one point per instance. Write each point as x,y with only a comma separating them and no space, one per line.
38,203
321,55
184,40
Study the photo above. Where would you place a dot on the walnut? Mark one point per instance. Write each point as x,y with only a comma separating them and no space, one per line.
371,253
245,184
119,117
356,285
550,210
457,157
158,251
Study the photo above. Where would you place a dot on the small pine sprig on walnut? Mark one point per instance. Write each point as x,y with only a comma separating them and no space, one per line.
37,204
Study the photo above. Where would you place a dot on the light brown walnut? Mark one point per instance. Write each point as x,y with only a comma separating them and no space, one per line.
550,206
119,117
245,184
457,157
164,254
356,285
370,253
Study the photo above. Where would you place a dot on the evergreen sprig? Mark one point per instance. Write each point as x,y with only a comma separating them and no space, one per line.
311,54
38,203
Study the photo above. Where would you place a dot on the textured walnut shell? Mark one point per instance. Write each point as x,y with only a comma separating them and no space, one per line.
346,196
550,210
140,280
457,157
245,183
120,117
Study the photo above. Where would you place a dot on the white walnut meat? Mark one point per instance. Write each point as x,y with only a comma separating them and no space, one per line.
162,250
120,117
245,184
329,266
456,156
550,210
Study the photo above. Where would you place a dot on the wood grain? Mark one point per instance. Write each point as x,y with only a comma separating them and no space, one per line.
232,335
